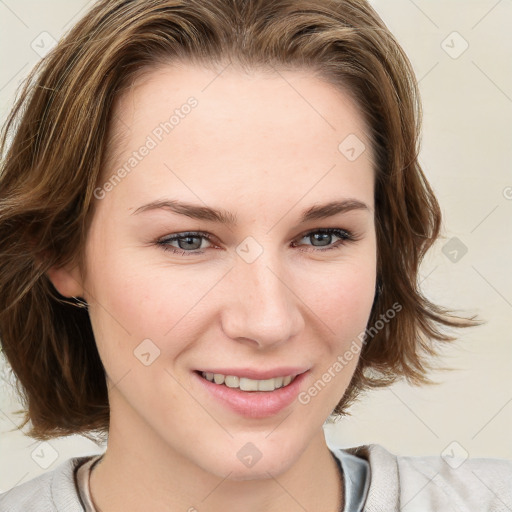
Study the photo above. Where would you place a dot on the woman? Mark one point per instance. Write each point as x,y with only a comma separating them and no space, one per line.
213,217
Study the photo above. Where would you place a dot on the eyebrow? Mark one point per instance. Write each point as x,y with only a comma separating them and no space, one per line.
221,216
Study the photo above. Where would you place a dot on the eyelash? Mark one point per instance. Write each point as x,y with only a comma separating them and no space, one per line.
343,234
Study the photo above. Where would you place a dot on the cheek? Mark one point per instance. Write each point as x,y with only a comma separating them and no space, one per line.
342,294
137,299
352,293
344,308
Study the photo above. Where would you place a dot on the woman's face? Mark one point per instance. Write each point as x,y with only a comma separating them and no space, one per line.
259,293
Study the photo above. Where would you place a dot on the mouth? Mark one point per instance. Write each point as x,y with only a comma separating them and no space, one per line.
246,384
250,397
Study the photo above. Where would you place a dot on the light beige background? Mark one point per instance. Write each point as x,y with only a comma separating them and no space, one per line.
466,154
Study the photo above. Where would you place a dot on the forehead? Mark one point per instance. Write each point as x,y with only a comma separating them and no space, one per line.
218,128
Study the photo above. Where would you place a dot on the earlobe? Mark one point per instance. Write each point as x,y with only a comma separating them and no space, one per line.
66,280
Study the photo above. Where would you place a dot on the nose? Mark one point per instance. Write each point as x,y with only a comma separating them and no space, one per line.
262,308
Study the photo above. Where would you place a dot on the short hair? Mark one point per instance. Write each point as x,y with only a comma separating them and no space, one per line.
56,139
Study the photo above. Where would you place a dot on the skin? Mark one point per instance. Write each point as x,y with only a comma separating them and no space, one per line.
265,147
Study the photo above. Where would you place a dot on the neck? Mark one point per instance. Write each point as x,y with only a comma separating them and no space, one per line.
145,475
125,484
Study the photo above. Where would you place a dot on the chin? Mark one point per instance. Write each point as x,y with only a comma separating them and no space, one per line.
260,471
240,468
250,475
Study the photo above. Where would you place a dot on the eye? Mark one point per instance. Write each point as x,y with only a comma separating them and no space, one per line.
324,238
191,243
188,243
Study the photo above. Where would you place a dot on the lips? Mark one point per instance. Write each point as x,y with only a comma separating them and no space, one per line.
253,404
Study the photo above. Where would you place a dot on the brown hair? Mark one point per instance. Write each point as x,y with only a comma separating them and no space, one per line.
58,131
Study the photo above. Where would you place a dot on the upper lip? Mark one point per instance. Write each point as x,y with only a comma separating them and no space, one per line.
250,373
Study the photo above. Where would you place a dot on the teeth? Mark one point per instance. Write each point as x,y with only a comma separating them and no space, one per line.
218,378
249,384
279,381
231,381
245,384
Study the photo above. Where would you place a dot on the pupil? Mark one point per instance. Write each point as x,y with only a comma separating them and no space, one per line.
324,236
188,240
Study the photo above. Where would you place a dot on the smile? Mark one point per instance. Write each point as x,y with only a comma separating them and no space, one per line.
245,384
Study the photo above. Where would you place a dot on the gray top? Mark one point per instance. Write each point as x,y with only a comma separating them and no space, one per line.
82,479
396,483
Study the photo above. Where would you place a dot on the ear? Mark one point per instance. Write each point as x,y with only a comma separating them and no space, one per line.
66,280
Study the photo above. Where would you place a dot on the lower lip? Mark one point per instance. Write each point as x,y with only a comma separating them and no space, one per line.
254,404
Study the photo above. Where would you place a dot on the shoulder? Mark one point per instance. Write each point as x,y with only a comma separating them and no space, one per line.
52,491
457,483
440,483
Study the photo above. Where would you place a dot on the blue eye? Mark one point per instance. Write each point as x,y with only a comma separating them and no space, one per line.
325,237
190,243
187,243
